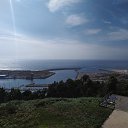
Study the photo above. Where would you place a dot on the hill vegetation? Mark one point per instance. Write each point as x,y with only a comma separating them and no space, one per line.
53,113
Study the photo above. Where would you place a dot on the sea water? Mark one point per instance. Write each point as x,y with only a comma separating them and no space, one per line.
85,65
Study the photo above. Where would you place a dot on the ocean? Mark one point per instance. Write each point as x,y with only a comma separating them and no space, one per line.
85,65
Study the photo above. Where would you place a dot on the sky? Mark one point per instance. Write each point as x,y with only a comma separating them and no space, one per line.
64,29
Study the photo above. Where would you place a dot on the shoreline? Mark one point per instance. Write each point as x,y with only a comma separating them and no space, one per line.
25,74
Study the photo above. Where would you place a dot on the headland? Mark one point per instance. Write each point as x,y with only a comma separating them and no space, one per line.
29,74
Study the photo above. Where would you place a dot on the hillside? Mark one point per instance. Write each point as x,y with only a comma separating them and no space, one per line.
53,113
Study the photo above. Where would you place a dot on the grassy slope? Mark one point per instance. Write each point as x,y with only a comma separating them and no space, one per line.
53,113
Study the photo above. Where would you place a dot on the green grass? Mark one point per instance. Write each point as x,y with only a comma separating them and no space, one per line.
53,113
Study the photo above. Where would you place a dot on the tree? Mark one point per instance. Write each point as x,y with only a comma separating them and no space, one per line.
27,95
85,78
15,94
112,84
2,95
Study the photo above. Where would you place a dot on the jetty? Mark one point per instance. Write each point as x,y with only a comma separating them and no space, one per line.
38,85
55,69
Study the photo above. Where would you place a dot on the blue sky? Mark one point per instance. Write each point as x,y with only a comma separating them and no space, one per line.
64,29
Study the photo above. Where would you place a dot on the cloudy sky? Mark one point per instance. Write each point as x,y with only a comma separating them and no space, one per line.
64,29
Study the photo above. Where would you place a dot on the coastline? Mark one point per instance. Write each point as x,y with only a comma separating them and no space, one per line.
25,74
103,74
100,76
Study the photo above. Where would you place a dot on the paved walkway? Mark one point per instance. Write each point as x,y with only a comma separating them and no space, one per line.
119,117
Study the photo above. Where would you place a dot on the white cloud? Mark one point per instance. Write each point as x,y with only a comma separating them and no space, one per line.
120,34
11,35
30,48
107,22
55,5
18,0
92,31
76,20
21,47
